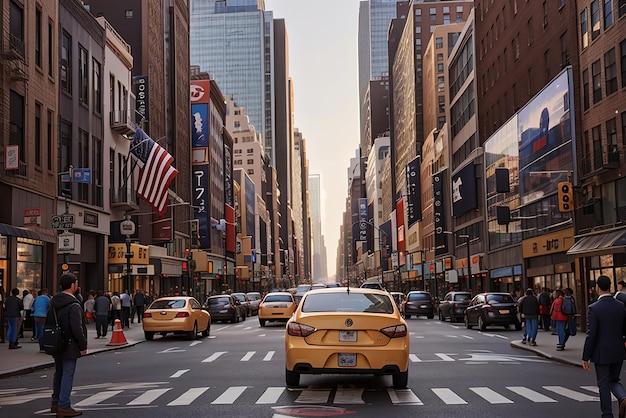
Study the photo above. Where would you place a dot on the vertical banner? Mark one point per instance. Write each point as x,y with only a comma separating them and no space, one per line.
200,184
414,191
363,224
464,190
441,239
140,89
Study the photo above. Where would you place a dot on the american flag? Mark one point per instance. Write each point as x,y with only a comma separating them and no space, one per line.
156,172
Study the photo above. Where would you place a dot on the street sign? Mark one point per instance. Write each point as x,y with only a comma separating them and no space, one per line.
64,221
66,243
81,175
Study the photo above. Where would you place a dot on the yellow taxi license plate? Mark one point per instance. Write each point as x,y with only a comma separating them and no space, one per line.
504,311
346,360
347,336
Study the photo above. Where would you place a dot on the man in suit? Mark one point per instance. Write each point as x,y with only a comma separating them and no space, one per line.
604,346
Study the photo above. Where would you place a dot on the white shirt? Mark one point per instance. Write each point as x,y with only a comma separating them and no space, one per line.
28,301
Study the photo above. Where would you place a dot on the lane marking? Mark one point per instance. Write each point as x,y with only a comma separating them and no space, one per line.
270,396
188,397
269,355
444,357
195,343
213,357
595,389
530,394
572,394
351,396
98,397
414,358
403,397
248,356
313,396
230,395
179,373
468,337
490,395
171,350
148,396
448,397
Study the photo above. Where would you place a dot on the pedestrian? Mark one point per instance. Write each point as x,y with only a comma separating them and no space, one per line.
544,308
13,312
27,322
116,309
569,309
621,291
604,346
2,298
40,310
125,300
102,308
139,300
528,306
70,315
559,318
89,310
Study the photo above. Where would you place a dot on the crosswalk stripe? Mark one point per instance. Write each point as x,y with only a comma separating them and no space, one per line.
98,397
230,395
313,396
188,397
21,399
490,395
595,389
248,356
352,396
572,394
269,355
448,397
148,396
403,397
213,357
271,395
179,373
414,358
444,357
530,394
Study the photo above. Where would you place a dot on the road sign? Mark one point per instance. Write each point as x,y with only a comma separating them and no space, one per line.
64,221
66,243
81,175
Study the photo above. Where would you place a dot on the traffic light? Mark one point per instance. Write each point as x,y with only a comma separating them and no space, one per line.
566,196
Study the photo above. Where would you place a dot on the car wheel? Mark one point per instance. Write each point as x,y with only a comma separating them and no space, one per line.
262,322
481,324
441,317
292,378
400,380
191,335
207,331
467,324
149,335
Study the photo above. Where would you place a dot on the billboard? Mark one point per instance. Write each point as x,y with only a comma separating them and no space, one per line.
441,240
414,191
464,190
201,204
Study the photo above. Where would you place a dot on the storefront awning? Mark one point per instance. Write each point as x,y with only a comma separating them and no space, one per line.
17,231
598,244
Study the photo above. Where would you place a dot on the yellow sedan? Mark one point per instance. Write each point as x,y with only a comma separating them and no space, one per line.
347,331
177,314
276,306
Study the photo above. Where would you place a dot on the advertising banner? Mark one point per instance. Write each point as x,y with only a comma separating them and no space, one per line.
464,190
414,191
200,197
441,239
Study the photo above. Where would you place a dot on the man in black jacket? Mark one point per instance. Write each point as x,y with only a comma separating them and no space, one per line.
70,316
13,312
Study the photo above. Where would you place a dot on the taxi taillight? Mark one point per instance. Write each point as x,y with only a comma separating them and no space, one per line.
147,315
182,314
299,330
395,331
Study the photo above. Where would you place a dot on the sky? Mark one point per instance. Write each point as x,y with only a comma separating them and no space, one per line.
323,38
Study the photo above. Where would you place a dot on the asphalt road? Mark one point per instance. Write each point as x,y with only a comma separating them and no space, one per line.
238,371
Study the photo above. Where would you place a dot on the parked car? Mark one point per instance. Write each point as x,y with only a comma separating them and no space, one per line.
255,301
398,298
300,291
347,330
277,306
373,284
492,308
225,308
177,314
453,306
418,302
245,302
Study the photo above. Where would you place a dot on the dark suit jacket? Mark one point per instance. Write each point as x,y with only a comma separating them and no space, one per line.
606,328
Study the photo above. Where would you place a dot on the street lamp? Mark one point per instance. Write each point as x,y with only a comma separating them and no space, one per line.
127,227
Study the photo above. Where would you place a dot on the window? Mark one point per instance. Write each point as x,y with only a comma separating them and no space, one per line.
38,37
16,126
611,132
596,81
439,57
38,134
97,87
49,138
433,14
622,53
16,29
66,62
83,161
608,13
251,171
440,68
96,173
250,150
83,75
439,43
250,161
564,52
610,72
65,155
585,89
50,50
237,124
584,30
128,13
595,19
622,8
545,13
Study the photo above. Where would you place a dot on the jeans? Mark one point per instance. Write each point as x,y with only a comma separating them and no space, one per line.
570,328
560,331
39,323
531,329
63,382
139,310
607,376
12,331
126,316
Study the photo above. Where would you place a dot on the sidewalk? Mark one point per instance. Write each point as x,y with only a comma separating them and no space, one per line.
28,358
546,347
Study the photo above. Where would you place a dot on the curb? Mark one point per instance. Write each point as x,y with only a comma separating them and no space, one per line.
544,354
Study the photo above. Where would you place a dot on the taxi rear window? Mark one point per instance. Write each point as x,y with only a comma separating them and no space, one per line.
168,304
348,302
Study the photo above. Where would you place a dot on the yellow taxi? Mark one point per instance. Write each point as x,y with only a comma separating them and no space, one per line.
177,314
276,306
347,331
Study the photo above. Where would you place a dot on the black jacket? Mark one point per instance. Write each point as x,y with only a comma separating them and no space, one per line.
529,306
13,307
70,315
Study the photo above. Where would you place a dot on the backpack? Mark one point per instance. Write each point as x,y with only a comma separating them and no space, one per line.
568,307
53,338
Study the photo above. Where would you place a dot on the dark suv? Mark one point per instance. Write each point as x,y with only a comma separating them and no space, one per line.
492,308
453,306
417,303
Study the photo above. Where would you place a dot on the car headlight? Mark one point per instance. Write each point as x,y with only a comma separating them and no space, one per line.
299,330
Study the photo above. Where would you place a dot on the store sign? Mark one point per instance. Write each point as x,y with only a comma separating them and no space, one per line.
117,253
32,217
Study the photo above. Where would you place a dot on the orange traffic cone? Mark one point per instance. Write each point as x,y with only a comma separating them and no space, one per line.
118,338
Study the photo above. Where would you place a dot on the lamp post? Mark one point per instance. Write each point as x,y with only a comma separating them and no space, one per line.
127,227
469,268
